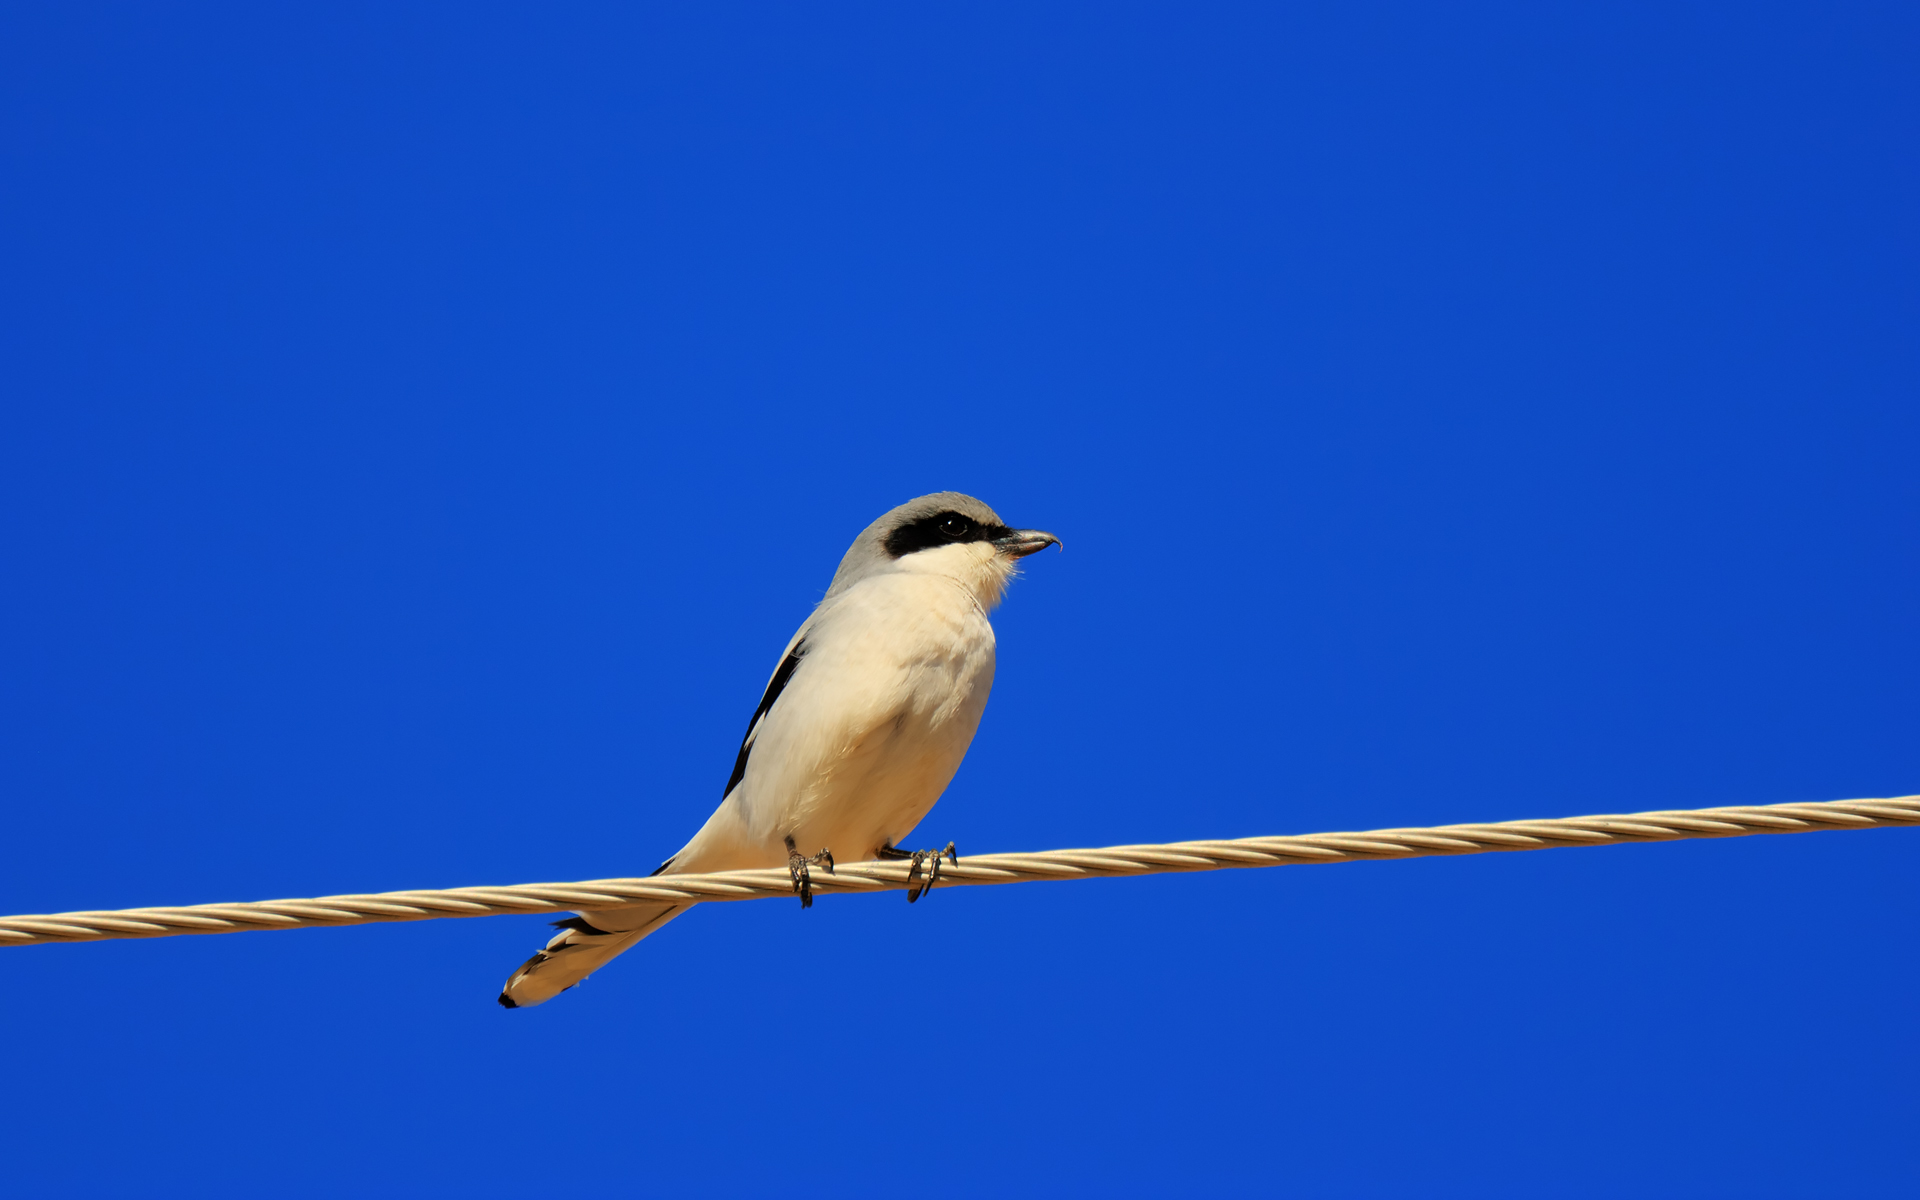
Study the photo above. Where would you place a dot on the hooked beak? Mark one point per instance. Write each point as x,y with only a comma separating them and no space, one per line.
1021,542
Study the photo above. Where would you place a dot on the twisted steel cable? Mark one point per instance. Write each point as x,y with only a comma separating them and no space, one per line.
593,894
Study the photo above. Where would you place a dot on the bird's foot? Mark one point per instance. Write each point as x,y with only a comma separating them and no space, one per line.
927,860
797,866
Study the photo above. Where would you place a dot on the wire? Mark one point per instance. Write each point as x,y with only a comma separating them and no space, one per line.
1547,834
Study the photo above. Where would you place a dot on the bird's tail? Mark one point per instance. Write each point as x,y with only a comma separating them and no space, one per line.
586,942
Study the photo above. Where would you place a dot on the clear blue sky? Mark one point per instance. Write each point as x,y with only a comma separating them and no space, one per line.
423,427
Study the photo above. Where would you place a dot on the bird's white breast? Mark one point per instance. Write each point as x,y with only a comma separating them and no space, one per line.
869,732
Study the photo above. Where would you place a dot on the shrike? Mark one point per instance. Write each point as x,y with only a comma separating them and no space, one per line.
860,729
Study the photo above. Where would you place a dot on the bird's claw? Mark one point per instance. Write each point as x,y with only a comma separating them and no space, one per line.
798,866
923,860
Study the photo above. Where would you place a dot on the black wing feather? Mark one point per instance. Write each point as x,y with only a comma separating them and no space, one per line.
778,684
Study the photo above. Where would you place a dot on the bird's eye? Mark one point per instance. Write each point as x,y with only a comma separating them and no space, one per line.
956,527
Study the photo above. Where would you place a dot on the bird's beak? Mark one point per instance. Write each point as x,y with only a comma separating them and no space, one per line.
1021,542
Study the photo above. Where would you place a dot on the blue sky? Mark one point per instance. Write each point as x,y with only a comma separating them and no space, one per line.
424,426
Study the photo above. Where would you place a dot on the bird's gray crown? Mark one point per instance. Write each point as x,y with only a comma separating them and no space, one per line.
940,519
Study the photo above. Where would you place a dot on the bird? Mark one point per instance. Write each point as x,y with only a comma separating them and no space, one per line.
860,729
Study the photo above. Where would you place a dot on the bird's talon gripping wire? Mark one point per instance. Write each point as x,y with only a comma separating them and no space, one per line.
930,859
798,866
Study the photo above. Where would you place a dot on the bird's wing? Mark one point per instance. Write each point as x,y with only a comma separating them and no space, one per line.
782,676
723,843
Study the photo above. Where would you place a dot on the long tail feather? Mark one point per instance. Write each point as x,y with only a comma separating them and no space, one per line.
586,942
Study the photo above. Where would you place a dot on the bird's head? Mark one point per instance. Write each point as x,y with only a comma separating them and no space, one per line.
947,533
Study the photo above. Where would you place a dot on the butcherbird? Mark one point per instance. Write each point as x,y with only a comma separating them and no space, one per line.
861,728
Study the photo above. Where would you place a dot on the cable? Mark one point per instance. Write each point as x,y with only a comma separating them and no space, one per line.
593,894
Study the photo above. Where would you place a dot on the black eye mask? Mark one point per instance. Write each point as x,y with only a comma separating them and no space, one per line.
940,529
